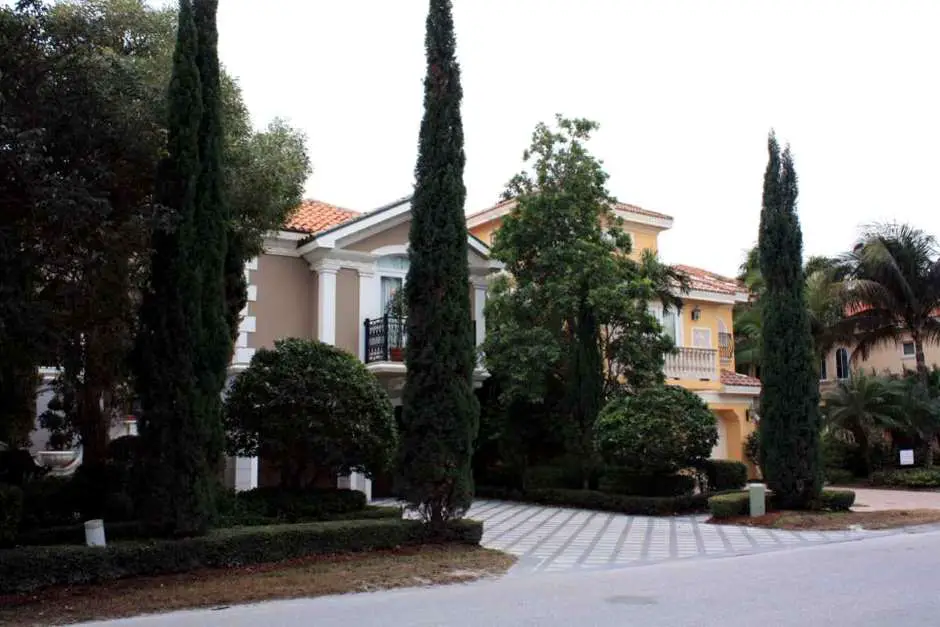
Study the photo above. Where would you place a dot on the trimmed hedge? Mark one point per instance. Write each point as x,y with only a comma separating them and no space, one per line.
738,503
117,531
915,478
296,506
724,474
836,476
603,501
27,569
619,480
11,510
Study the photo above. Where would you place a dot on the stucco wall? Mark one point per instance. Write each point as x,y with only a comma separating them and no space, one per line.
486,231
395,236
286,302
889,357
347,310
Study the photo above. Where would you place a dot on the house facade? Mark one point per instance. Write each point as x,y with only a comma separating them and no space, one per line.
840,362
702,331
331,275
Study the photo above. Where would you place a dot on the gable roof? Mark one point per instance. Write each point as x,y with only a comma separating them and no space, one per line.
738,379
315,216
633,212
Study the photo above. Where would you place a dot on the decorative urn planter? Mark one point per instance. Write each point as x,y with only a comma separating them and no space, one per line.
56,459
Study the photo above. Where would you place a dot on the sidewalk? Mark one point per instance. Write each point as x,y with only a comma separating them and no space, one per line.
871,500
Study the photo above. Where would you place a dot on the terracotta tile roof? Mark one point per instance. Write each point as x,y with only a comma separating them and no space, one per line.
314,216
734,378
622,206
706,281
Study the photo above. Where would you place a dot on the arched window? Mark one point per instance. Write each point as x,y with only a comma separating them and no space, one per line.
842,364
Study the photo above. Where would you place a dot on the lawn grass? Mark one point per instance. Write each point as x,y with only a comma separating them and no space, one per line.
837,521
308,577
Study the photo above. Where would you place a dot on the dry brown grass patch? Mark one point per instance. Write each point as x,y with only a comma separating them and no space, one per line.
317,576
837,521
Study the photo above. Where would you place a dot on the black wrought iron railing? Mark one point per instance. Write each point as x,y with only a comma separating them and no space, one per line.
386,338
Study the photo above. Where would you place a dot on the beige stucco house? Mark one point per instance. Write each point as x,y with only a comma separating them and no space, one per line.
329,274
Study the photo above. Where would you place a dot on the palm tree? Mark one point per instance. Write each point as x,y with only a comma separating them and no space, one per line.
864,406
822,302
892,289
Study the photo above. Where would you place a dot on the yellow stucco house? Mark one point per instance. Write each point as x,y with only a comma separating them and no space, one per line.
702,330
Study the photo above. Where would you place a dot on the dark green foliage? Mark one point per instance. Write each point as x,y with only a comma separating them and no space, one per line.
313,410
11,511
173,426
733,505
723,474
440,411
568,325
50,502
752,447
294,505
75,533
628,481
32,568
211,224
17,467
661,430
790,423
603,501
836,500
838,476
557,476
914,478
739,504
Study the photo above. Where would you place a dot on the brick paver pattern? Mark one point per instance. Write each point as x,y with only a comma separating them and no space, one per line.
554,539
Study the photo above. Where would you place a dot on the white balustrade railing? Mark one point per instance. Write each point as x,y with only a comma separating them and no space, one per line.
692,363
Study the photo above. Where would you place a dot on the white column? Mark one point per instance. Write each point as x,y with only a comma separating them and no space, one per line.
326,304
246,473
368,304
479,302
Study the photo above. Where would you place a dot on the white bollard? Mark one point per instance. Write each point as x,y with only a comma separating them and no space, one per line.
94,532
758,494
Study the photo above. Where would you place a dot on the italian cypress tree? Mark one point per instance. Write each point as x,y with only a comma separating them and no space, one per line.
440,413
790,422
213,346
173,436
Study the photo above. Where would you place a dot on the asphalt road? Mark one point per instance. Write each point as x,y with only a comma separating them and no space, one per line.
885,582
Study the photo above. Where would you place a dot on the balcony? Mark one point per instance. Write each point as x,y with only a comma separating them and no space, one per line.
386,338
699,364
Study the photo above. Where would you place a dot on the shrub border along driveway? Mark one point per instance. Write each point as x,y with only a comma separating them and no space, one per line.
27,569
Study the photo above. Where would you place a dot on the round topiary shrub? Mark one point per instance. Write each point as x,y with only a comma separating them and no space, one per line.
661,430
313,411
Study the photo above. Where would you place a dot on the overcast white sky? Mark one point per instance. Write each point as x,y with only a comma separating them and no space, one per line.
685,93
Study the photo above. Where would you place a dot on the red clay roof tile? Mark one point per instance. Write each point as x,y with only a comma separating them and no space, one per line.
314,216
734,378
706,281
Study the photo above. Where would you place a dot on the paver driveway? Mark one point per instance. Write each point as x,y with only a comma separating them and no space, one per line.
554,539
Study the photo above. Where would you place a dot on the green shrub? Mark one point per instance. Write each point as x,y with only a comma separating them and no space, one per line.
11,511
619,480
724,474
731,505
602,501
914,478
50,502
752,448
837,500
837,476
17,467
298,505
541,477
306,405
503,476
27,569
660,431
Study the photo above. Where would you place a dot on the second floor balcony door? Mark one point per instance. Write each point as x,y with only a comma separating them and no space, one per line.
390,287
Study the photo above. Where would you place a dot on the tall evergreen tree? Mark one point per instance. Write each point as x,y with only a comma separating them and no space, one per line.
440,412
173,435
214,344
790,421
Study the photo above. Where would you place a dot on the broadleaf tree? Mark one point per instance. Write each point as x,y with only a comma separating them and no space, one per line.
440,413
790,419
568,323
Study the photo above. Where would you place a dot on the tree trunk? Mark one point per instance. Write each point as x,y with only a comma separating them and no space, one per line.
93,427
919,357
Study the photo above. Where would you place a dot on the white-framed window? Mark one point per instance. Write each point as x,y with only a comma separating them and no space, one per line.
392,270
908,350
671,321
842,364
823,369
701,337
390,287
